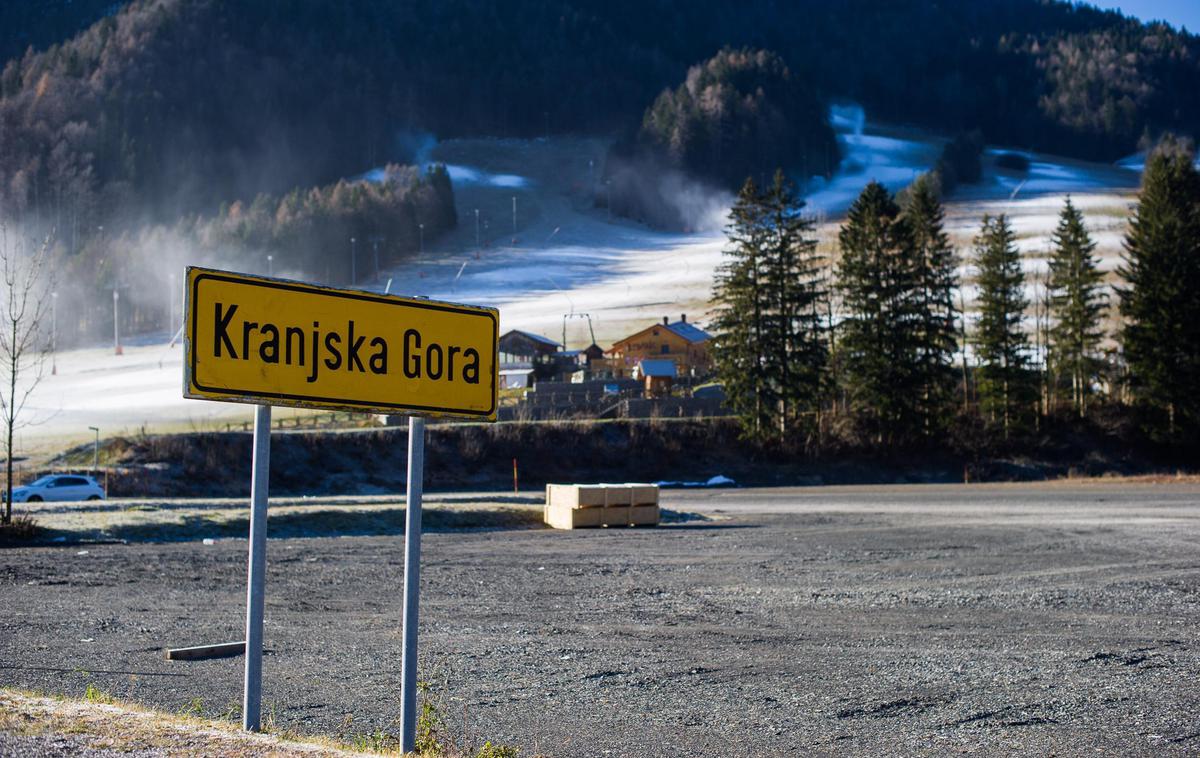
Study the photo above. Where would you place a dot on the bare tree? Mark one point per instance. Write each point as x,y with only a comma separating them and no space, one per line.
23,305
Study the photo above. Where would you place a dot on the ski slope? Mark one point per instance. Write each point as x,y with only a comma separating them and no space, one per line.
560,257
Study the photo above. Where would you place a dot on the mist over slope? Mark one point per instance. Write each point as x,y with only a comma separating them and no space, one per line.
186,115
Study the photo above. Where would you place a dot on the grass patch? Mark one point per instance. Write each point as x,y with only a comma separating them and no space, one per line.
100,722
94,694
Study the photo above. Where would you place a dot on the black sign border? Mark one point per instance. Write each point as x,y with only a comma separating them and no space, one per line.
319,290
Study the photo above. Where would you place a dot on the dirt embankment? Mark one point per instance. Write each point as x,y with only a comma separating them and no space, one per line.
480,457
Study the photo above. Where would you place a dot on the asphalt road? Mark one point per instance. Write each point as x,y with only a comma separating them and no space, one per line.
1018,619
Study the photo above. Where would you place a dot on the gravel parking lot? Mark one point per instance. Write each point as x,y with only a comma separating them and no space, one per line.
1042,619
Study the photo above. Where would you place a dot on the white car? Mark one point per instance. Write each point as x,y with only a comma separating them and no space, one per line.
58,487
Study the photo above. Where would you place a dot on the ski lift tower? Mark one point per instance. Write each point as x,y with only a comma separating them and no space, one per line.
591,330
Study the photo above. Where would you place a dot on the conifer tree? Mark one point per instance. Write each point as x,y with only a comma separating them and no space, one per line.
795,351
1161,300
1077,303
878,343
740,325
769,349
935,277
1006,386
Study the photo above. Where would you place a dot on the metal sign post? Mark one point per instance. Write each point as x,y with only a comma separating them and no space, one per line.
412,584
256,579
253,339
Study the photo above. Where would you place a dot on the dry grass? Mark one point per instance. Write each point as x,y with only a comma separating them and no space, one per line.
1162,478
100,723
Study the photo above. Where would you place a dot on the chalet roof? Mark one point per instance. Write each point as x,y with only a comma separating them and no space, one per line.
535,337
656,368
689,332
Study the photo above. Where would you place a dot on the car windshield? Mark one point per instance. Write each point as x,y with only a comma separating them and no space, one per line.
42,482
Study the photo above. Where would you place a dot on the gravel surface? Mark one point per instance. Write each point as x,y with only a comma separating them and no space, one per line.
919,620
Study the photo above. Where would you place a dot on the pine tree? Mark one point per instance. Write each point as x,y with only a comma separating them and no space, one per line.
770,350
1161,302
1006,386
740,325
878,345
795,354
935,278
1077,304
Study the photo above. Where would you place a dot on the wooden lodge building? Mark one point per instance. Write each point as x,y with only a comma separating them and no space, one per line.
682,343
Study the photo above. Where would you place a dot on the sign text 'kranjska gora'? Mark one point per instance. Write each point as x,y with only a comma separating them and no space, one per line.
252,339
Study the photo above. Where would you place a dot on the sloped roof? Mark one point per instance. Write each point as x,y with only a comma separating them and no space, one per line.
656,368
689,332
532,336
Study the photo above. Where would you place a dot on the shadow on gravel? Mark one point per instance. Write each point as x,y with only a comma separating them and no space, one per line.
291,522
299,523
709,525
5,666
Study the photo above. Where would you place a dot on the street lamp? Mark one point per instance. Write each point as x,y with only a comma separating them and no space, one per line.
53,333
421,239
515,218
270,265
95,450
476,227
353,260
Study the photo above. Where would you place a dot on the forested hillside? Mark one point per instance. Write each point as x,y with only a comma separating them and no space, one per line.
169,104
166,112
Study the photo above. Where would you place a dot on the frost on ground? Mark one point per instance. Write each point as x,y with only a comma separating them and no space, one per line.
531,241
209,520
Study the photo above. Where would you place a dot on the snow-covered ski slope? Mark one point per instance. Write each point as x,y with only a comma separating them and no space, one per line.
566,257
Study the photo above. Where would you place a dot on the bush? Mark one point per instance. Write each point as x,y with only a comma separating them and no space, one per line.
22,528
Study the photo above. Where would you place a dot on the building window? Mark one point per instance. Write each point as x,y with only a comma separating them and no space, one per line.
666,349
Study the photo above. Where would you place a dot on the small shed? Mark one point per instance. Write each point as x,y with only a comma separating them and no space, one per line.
657,376
516,378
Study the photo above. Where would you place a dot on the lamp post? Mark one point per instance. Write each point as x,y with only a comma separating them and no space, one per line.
476,227
53,333
353,260
95,450
270,265
421,239
514,215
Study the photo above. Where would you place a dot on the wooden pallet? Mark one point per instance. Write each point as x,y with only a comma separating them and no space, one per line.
572,506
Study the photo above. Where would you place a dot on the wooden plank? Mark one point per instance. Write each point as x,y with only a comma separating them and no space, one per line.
203,652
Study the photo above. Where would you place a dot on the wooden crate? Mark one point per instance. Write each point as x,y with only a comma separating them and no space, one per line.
572,506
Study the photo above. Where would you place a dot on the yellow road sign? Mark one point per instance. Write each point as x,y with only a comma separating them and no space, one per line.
251,339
